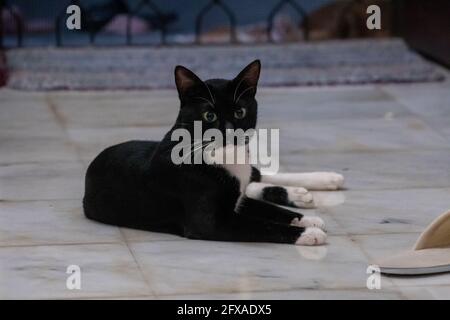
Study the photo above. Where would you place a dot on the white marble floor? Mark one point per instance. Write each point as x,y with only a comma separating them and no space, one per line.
392,142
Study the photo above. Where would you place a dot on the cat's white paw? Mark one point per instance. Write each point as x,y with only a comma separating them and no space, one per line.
312,237
331,180
301,197
307,222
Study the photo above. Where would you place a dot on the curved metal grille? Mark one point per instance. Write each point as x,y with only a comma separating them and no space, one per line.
161,18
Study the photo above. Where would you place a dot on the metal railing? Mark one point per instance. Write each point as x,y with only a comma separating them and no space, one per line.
160,15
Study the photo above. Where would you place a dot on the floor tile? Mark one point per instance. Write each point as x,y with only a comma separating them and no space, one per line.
50,222
188,266
392,143
429,101
29,131
42,181
39,272
364,135
378,170
91,142
349,103
30,111
324,294
389,211
426,293
19,146
117,109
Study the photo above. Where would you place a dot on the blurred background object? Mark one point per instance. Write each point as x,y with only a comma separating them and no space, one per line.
293,36
206,21
424,24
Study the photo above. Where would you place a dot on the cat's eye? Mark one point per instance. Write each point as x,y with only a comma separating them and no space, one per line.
209,116
240,113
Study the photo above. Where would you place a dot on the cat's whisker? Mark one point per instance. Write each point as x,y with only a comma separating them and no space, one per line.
237,88
212,98
183,124
198,147
192,145
249,88
197,143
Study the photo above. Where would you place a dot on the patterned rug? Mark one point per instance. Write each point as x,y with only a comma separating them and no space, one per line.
315,63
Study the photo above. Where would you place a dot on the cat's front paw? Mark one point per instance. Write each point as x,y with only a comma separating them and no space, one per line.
300,197
306,222
311,237
331,180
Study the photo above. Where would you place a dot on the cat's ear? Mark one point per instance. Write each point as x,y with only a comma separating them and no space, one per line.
185,80
247,79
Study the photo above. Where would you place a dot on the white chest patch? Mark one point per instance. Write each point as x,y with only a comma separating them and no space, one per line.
240,168
242,172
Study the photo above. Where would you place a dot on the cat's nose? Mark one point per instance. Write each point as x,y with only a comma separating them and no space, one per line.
229,125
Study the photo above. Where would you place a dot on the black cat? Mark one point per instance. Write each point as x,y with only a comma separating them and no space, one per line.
137,185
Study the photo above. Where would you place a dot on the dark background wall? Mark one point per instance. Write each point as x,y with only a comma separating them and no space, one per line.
426,27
